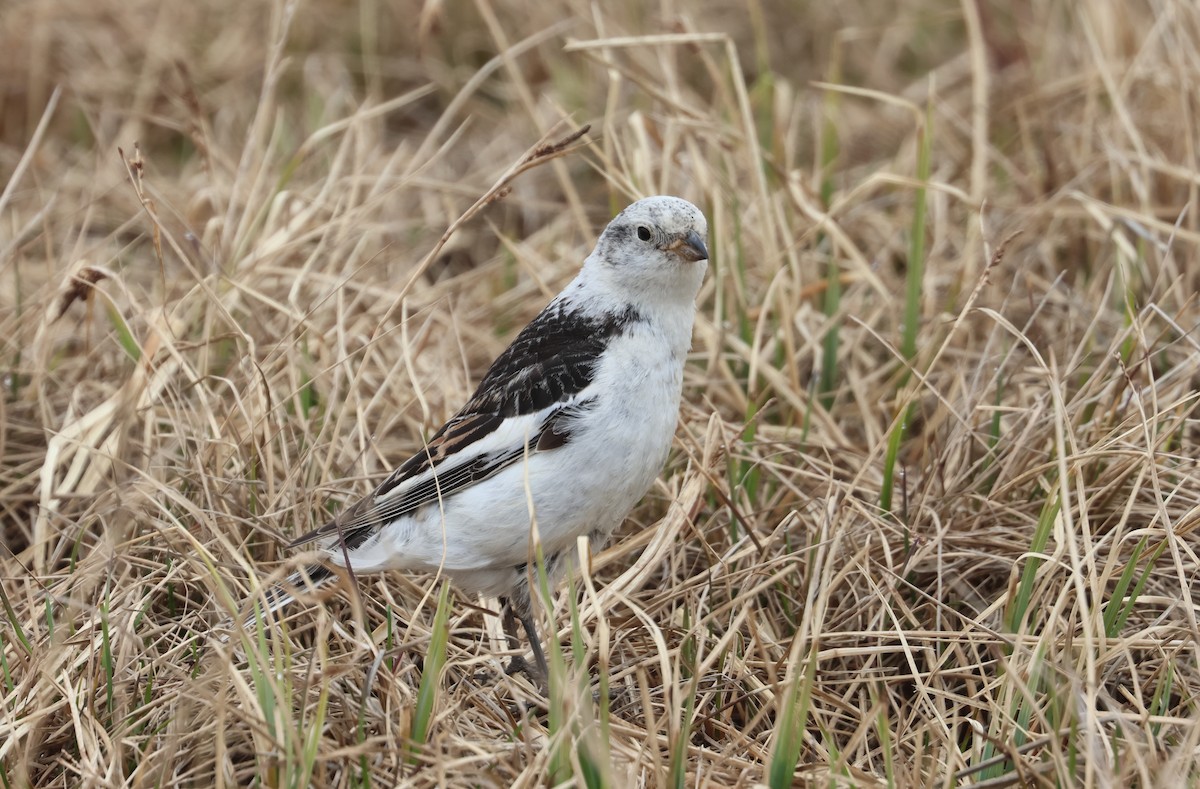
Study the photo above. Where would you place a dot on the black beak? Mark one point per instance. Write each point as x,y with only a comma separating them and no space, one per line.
690,247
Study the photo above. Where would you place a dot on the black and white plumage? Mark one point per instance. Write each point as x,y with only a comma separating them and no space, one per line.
571,423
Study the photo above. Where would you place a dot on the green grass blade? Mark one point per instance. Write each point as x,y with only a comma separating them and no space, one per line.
4,670
1160,705
560,755
106,655
15,622
312,737
914,282
829,345
435,659
1019,605
793,719
124,334
1126,607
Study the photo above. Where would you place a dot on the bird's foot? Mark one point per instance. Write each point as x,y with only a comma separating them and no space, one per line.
618,697
518,665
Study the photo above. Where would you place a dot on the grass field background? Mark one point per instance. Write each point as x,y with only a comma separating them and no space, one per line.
930,518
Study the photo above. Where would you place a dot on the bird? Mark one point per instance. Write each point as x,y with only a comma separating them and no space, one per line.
568,429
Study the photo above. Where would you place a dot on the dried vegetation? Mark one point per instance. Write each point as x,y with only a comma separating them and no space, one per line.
931,516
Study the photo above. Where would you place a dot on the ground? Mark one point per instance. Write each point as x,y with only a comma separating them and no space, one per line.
930,517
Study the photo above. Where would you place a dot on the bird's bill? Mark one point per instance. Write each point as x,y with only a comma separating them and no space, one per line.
690,247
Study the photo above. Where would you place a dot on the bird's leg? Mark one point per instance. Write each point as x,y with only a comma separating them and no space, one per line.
537,674
509,619
535,643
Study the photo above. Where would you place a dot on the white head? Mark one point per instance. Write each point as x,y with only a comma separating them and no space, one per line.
652,252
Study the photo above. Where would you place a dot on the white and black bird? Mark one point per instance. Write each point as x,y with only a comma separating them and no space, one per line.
570,426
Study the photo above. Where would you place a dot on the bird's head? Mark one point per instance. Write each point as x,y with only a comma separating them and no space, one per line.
654,250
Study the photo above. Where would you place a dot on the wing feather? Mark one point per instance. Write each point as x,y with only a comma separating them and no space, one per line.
529,397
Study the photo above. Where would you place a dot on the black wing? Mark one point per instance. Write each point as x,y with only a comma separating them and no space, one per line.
552,358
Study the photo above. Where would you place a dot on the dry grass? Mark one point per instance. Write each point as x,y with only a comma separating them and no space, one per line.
212,342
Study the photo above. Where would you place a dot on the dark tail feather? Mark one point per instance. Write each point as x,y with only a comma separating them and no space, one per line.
278,596
274,599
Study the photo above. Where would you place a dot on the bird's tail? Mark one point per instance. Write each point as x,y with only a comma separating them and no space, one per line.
277,597
309,577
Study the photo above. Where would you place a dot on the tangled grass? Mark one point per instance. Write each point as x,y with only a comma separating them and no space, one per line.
930,518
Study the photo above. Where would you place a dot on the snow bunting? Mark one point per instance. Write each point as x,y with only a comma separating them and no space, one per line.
569,428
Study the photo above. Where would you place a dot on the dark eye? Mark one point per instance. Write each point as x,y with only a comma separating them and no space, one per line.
643,232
